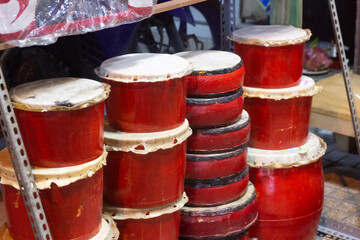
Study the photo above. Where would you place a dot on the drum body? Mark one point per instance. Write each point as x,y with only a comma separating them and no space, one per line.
80,203
221,138
220,221
214,111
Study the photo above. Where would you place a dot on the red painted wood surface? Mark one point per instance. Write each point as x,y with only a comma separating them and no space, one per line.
145,180
290,201
212,165
62,138
146,106
271,67
278,124
163,227
214,84
72,212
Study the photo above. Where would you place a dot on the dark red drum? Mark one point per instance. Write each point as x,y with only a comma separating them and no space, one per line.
61,120
107,231
221,138
280,117
145,170
72,201
292,209
148,223
214,111
214,165
220,221
272,54
237,236
214,73
215,191
148,91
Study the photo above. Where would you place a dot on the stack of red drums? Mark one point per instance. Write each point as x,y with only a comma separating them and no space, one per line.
222,202
61,122
284,159
146,137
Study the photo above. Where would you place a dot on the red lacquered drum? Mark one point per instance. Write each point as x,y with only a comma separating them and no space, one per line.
215,191
290,189
148,223
220,221
214,111
107,231
220,138
213,165
71,197
243,235
148,91
145,170
280,117
61,120
272,54
214,72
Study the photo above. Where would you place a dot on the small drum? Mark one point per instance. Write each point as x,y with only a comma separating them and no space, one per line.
221,139
148,223
215,72
107,231
214,111
70,193
272,54
148,91
215,165
61,120
145,170
292,209
280,117
220,222
215,191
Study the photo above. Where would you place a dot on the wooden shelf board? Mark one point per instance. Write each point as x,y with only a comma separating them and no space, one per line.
170,5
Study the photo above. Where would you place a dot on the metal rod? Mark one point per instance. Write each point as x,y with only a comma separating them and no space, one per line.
227,23
21,165
345,71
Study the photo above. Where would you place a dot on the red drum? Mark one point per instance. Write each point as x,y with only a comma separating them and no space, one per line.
214,165
215,191
61,120
220,221
107,231
148,223
292,209
220,138
244,235
280,117
214,111
73,194
148,91
145,170
215,72
272,54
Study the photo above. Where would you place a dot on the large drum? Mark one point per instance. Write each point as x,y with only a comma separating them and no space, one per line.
220,222
214,72
280,117
70,193
61,120
272,54
148,91
148,223
290,189
145,170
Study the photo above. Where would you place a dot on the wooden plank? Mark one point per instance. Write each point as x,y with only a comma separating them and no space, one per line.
170,5
332,101
337,125
4,46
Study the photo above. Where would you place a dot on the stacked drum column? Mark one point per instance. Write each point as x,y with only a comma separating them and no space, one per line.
222,202
284,159
145,134
61,122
